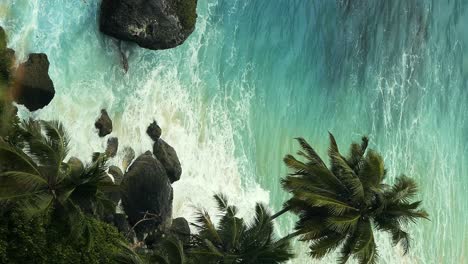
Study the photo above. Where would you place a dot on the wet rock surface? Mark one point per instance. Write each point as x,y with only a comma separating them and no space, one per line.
152,24
32,85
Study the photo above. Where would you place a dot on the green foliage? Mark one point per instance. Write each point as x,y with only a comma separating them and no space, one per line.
43,240
187,12
338,207
36,178
233,241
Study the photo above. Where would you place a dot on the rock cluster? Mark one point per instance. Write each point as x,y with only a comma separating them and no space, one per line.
146,186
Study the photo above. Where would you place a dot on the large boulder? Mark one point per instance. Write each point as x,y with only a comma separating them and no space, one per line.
32,85
103,124
152,24
146,190
168,158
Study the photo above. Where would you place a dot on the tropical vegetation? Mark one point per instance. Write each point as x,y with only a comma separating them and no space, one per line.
340,206
235,241
51,209
35,177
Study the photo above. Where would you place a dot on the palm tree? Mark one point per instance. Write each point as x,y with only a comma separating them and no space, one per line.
35,177
340,206
233,241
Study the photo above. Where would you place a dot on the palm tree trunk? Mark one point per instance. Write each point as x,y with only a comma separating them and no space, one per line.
282,211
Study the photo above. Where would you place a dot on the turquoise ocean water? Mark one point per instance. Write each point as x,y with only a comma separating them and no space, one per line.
257,73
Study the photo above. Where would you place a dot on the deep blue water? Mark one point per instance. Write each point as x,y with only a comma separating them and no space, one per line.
256,74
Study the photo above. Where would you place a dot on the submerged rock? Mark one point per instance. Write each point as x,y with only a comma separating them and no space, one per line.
168,158
146,189
152,24
154,131
32,85
112,147
103,124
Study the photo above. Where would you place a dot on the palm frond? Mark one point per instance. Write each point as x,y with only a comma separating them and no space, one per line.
356,154
342,170
334,205
57,138
317,174
223,205
404,189
348,247
365,247
343,224
310,153
206,227
13,156
325,245
372,171
292,182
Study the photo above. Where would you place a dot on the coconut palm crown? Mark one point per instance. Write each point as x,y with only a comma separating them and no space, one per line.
234,241
34,176
340,206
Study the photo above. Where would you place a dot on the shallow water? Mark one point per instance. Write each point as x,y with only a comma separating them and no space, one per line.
256,74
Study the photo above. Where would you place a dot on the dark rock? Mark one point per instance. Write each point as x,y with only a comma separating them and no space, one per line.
146,189
168,158
7,62
154,131
152,24
32,86
112,147
117,173
180,228
104,124
129,155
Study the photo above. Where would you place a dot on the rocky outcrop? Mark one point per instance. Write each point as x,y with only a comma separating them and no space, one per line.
112,147
181,229
152,24
154,131
103,124
168,158
146,190
32,85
